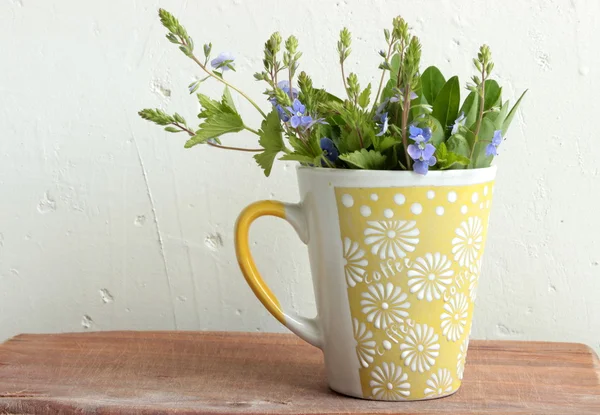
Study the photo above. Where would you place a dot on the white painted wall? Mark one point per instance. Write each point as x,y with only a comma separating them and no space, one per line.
108,223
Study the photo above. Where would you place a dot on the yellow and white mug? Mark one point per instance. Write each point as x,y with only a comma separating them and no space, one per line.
395,259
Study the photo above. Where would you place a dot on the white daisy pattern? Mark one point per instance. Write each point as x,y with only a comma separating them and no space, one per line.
420,348
354,262
429,276
462,358
474,271
391,238
389,382
468,241
439,384
384,305
365,344
454,317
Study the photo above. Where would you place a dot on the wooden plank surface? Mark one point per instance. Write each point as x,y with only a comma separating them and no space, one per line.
218,373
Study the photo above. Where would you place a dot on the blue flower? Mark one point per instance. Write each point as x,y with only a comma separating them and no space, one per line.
317,121
299,119
224,61
283,115
423,157
331,153
383,119
492,148
285,87
380,109
460,121
419,135
400,96
422,151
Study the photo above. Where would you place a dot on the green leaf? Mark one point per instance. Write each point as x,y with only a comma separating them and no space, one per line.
363,159
352,139
458,144
416,105
172,129
228,99
486,132
209,106
395,65
215,126
329,97
156,116
471,108
365,97
178,118
511,114
271,140
432,82
445,106
388,90
493,94
500,116
437,132
298,157
383,143
447,159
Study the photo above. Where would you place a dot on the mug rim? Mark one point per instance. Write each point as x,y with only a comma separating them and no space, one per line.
363,172
384,178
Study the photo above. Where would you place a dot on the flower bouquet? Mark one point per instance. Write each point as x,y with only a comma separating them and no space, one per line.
411,120
396,188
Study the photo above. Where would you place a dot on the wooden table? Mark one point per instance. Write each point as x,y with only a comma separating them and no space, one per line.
218,373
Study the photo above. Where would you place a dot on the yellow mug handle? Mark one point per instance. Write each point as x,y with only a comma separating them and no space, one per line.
307,329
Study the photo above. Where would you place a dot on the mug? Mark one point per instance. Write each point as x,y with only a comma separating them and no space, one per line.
395,259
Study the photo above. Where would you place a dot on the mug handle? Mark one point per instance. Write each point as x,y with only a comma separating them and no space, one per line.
307,329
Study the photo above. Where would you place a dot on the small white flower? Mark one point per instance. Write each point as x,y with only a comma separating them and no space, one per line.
420,348
388,382
454,317
467,244
429,276
354,262
439,384
365,345
391,238
384,305
462,358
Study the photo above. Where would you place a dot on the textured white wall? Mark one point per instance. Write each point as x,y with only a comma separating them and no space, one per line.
106,222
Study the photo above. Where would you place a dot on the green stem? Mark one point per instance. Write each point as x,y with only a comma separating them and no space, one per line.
250,150
195,59
481,108
382,76
191,133
251,130
344,79
328,162
362,145
404,124
290,93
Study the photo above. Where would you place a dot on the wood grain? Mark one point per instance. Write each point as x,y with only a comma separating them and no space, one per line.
242,373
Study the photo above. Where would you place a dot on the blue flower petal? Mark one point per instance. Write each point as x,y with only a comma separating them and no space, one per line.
305,120
497,140
427,133
490,150
295,121
420,167
219,60
414,131
414,152
428,151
